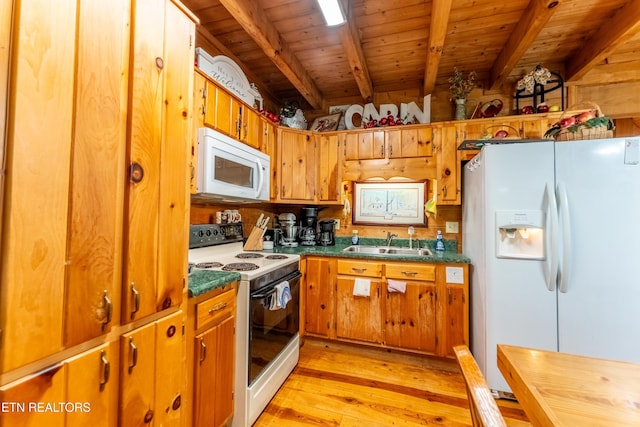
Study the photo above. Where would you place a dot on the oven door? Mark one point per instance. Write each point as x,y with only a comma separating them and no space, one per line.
271,328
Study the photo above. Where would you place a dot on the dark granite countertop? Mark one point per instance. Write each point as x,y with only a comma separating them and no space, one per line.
203,281
450,255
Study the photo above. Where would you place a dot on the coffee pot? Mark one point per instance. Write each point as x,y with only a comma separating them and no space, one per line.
327,234
308,228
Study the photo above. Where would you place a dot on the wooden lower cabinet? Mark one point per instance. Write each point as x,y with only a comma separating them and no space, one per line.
152,373
410,317
80,391
359,317
211,330
319,296
430,317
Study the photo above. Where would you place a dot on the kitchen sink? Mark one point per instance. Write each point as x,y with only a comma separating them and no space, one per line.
383,250
407,251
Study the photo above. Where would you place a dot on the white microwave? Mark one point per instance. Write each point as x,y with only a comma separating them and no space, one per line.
229,170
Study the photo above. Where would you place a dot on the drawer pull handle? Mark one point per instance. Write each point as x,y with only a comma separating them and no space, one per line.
134,355
359,270
106,369
203,350
108,308
410,273
136,300
217,307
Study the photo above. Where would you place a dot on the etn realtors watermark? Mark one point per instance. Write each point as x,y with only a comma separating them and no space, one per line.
51,407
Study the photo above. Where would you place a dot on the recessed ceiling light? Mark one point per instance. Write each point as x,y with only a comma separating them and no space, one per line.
332,11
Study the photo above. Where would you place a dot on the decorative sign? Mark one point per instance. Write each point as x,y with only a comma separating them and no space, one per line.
225,71
409,113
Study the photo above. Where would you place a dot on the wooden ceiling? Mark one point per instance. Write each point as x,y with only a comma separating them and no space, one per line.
413,45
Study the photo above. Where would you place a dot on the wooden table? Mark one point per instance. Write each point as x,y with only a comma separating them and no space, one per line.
560,389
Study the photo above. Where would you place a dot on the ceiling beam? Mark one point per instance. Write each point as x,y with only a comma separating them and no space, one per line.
526,30
254,21
355,56
440,11
616,31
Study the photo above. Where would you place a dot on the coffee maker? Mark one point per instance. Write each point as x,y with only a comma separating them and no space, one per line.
289,229
326,237
309,226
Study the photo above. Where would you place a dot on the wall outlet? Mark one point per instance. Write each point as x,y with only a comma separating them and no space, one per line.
337,225
451,227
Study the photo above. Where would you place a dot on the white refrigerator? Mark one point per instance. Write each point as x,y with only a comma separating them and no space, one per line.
553,234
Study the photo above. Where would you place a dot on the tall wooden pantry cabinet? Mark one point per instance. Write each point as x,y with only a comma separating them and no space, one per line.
94,205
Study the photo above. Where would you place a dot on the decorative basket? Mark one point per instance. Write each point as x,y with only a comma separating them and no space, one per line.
590,123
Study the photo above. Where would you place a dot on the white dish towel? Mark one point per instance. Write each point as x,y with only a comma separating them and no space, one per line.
282,296
396,286
362,287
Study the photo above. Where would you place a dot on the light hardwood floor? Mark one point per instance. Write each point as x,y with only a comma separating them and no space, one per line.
338,384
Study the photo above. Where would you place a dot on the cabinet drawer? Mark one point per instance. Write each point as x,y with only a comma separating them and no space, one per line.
215,309
359,268
411,271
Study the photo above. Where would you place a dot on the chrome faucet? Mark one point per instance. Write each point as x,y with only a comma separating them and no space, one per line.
390,238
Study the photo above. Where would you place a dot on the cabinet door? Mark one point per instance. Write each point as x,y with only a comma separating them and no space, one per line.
214,374
250,132
38,172
410,317
319,286
147,78
224,120
45,387
409,142
137,367
456,319
92,379
157,205
174,201
329,181
170,370
98,172
296,165
363,145
357,317
448,168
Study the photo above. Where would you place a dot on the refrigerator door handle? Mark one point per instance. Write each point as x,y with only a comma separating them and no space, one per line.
566,238
552,273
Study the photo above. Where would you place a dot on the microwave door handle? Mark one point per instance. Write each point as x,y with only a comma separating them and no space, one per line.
260,178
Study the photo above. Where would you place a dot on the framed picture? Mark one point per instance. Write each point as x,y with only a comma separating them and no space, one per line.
396,203
326,123
340,109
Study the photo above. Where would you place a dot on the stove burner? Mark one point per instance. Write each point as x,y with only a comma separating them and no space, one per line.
240,266
211,264
248,255
276,257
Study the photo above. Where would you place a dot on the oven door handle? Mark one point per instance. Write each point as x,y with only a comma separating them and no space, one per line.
270,289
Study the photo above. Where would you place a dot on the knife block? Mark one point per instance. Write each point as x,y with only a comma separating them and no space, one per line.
254,241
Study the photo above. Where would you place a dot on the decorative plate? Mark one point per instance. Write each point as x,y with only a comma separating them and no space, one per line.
491,108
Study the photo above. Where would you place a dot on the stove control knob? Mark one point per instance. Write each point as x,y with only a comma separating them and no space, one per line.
208,233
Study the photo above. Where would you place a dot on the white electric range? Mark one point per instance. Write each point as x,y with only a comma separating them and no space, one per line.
267,339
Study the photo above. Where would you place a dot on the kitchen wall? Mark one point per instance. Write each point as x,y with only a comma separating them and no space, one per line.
204,214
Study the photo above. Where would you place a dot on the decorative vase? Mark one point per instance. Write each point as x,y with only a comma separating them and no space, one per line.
461,109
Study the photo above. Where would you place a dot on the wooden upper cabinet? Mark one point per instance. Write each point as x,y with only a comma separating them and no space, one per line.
409,142
157,196
329,179
448,167
363,145
296,165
